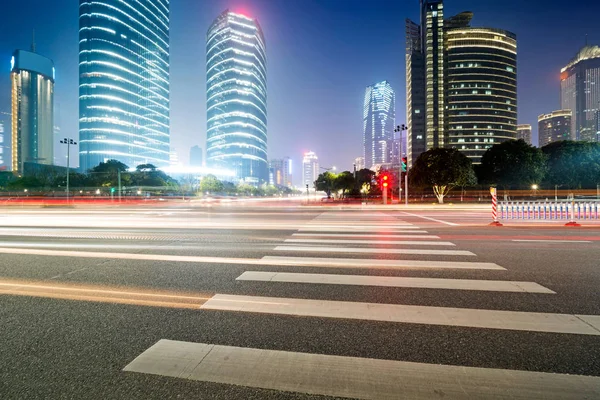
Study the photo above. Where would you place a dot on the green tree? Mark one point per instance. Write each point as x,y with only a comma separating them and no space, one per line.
363,176
442,170
512,164
344,181
325,182
574,165
149,175
106,173
211,184
76,180
26,182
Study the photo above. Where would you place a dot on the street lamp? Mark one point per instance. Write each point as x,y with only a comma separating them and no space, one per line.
68,142
534,187
401,128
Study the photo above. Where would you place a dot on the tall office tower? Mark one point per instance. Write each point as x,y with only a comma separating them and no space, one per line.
432,40
359,163
554,127
481,95
32,92
310,169
580,93
124,82
524,132
236,85
415,93
196,156
379,119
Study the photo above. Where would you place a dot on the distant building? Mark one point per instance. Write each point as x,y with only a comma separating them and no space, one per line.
174,158
32,92
379,119
236,104
554,127
310,169
359,163
580,93
196,156
280,172
5,120
524,132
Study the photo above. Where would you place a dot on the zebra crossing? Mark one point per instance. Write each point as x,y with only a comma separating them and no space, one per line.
332,236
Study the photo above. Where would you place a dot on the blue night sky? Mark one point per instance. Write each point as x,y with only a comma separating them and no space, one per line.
321,55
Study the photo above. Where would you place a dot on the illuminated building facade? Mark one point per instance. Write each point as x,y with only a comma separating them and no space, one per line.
481,96
280,172
524,132
5,139
415,93
124,82
580,93
32,121
379,119
236,84
310,169
359,163
554,127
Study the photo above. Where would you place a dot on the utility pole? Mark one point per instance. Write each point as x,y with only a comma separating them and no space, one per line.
119,181
68,142
401,128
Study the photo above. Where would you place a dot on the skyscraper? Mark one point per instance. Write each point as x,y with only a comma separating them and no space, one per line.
379,119
236,90
124,82
460,82
310,169
359,163
554,126
524,132
5,120
580,93
32,92
280,172
481,96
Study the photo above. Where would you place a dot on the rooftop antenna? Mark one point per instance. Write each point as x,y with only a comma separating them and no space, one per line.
33,41
586,37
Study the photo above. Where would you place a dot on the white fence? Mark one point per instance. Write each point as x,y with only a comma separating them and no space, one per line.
552,210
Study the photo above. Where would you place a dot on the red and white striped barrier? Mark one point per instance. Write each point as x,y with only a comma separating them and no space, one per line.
494,194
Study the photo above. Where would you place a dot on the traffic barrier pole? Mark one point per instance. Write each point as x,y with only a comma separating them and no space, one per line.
495,221
572,221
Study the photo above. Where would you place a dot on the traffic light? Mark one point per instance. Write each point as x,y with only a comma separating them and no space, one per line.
385,180
403,164
112,190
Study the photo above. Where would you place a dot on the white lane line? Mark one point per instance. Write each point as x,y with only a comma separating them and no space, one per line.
353,377
356,231
552,241
373,250
394,281
367,235
432,219
446,316
358,263
359,226
371,241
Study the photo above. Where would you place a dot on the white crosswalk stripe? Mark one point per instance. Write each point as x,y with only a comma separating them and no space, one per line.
376,242
373,250
367,235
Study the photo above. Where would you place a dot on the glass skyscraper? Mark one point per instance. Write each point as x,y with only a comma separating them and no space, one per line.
236,90
32,121
554,127
123,82
580,93
379,119
481,96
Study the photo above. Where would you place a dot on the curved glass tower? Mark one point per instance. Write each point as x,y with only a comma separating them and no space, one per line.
379,119
482,89
123,82
236,85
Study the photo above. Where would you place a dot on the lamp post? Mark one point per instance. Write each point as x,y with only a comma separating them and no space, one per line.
68,142
401,128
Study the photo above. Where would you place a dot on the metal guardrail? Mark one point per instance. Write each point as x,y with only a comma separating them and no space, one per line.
549,210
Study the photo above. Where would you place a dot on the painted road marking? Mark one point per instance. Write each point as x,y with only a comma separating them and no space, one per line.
394,281
353,377
445,316
367,235
376,241
432,219
551,241
376,263
373,250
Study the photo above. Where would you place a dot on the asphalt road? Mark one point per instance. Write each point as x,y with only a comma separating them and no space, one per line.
85,291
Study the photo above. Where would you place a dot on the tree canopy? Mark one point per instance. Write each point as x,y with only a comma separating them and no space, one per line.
442,169
573,165
512,164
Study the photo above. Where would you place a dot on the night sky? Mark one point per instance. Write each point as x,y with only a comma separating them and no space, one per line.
321,55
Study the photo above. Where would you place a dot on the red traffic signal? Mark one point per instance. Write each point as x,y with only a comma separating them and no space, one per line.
385,180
